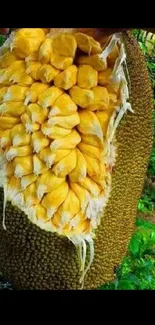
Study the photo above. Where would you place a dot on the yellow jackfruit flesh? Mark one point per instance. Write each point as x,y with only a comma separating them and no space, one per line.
67,78
60,62
57,152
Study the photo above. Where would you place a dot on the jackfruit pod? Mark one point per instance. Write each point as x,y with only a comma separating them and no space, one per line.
68,122
1,132
90,150
6,74
50,157
94,167
87,44
70,141
90,185
41,213
87,77
69,208
32,69
104,118
39,142
30,195
17,76
8,122
29,125
112,99
80,169
19,136
32,57
96,61
81,97
92,140
5,139
63,105
7,59
14,109
37,113
66,164
60,62
45,51
18,152
48,182
27,180
13,187
39,166
54,199
26,41
25,80
54,132
82,227
89,124
113,88
15,93
82,194
104,77
23,166
48,97
64,44
3,91
67,78
47,73
9,169
101,99
56,221
34,91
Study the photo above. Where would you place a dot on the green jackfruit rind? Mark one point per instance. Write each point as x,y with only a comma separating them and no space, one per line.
31,258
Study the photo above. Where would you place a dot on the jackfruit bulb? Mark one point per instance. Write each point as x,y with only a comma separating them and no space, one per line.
70,178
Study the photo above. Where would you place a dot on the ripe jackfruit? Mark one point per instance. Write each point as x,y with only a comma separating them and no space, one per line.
75,234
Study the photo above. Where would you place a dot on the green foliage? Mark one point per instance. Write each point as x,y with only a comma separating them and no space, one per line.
1,40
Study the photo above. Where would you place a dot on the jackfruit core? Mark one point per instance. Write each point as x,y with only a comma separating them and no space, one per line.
61,99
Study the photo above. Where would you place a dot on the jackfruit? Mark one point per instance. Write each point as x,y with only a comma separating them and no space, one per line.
82,249
67,122
63,105
80,169
87,44
101,99
60,62
45,51
81,97
67,78
87,77
65,45
66,164
47,73
34,91
54,132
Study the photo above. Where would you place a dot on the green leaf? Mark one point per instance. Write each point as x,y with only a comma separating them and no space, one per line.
125,285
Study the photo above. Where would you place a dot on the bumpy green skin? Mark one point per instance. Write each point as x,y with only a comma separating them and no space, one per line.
31,258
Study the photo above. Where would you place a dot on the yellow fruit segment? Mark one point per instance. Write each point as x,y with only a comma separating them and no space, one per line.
82,194
101,99
69,208
80,169
39,141
37,113
18,152
8,122
7,59
34,91
45,51
87,77
23,166
68,142
39,166
48,97
66,164
54,199
87,44
63,105
14,109
19,136
30,195
81,97
54,132
3,91
95,61
67,78
90,150
32,69
5,139
29,125
51,157
68,122
89,124
47,73
64,44
27,40
15,93
104,77
60,62
48,182
28,180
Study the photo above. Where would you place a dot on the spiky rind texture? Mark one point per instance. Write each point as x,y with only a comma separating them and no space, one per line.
31,258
